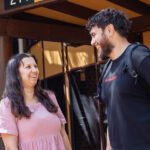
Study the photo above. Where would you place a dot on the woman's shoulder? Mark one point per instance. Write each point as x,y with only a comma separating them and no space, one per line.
49,92
5,101
52,96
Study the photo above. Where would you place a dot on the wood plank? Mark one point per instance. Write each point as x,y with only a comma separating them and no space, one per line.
137,6
6,50
141,24
43,31
39,19
72,9
3,24
41,3
55,31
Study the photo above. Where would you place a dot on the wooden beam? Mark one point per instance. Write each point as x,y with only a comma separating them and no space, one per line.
3,24
72,9
141,24
136,6
39,29
137,25
1,6
43,31
12,11
6,51
40,19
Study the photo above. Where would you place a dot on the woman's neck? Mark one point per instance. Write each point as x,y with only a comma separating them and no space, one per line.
29,96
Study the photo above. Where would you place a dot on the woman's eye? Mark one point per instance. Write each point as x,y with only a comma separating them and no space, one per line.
28,67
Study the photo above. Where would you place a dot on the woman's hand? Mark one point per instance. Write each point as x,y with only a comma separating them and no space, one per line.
108,146
65,138
10,141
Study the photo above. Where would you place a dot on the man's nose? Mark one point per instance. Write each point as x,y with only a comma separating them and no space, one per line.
92,42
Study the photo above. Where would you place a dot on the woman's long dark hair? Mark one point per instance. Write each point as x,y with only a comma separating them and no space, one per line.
14,89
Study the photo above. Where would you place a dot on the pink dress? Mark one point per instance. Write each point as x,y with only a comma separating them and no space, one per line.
40,132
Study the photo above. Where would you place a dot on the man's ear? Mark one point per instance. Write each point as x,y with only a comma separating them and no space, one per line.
109,30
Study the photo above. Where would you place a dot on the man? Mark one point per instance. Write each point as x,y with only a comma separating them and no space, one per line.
127,102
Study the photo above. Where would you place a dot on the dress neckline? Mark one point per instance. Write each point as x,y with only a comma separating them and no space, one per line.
33,104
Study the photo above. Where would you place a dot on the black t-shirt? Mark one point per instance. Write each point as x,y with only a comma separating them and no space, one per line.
128,105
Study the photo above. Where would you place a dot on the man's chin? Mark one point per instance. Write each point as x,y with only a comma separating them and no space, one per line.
103,57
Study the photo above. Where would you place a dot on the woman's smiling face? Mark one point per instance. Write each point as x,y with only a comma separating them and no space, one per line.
29,72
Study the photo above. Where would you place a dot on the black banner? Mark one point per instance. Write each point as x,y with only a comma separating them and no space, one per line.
9,4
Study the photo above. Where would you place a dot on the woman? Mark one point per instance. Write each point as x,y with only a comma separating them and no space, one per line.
30,117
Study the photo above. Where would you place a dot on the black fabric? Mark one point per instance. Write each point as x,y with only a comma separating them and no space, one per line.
105,69
128,105
85,116
139,51
135,55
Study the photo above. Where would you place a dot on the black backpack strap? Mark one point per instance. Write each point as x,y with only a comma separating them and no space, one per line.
102,106
102,75
134,56
133,62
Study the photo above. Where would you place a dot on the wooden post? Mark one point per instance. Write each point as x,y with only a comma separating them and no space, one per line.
67,88
5,54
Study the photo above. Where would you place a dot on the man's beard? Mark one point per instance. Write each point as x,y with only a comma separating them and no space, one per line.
106,48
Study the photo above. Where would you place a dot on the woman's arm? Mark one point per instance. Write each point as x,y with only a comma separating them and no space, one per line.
65,138
108,147
10,141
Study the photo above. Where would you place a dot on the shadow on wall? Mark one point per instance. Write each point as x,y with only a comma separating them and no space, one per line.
1,145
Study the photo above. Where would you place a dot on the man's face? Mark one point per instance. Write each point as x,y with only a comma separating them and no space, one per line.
101,42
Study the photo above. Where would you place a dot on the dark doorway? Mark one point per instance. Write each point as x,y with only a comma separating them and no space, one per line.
85,117
56,84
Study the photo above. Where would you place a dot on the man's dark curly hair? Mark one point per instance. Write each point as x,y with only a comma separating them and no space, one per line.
110,16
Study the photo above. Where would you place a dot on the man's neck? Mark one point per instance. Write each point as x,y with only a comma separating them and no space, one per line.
119,47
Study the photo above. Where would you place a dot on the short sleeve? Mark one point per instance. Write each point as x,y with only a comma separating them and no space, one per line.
142,63
7,119
144,71
59,112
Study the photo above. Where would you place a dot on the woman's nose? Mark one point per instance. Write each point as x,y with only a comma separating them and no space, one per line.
34,69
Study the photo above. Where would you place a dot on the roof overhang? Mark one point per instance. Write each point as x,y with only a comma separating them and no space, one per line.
66,19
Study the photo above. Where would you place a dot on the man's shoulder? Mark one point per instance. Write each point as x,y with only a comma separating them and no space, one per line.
140,48
140,53
136,53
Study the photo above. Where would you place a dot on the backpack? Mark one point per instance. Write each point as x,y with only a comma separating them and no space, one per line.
132,64
132,67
